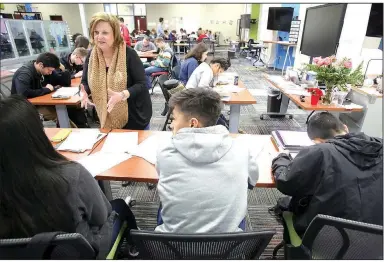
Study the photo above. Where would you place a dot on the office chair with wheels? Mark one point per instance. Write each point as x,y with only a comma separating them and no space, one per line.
244,245
330,237
52,245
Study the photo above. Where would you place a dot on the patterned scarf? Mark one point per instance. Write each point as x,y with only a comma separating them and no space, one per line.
115,79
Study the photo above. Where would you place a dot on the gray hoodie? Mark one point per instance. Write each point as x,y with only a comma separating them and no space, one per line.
203,175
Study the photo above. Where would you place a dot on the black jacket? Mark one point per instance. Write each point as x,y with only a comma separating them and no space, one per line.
72,69
139,102
342,177
29,83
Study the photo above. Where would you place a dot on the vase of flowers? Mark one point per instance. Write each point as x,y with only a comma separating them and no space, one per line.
335,74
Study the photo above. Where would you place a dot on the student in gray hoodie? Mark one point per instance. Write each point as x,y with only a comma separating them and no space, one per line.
203,171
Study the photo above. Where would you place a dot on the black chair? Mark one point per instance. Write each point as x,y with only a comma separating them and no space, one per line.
55,245
332,238
176,72
155,245
247,48
155,76
5,91
162,80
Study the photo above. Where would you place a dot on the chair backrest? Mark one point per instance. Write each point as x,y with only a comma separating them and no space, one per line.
176,72
5,91
250,42
161,80
336,238
60,246
154,245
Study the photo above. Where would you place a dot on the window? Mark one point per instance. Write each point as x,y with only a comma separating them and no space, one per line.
125,9
140,9
110,8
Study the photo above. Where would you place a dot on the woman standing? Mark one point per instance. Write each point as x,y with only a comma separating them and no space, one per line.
114,75
192,60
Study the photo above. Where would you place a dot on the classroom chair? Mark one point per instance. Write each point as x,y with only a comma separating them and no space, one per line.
55,246
155,76
245,245
333,238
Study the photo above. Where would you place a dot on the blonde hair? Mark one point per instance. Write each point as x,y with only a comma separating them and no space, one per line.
80,51
113,22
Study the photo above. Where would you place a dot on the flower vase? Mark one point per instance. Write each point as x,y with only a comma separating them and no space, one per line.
328,96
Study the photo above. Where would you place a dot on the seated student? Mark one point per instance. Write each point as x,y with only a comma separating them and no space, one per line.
162,61
134,33
73,62
47,192
166,35
82,41
145,45
206,75
340,176
153,34
192,36
172,36
37,78
203,171
74,36
191,61
202,36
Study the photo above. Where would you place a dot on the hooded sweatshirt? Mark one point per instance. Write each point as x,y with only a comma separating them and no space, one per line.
342,177
203,179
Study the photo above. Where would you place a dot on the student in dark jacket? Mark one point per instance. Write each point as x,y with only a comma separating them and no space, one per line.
340,176
38,78
73,62
192,60
42,191
114,76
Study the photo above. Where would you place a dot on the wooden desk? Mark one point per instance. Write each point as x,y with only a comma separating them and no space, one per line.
154,56
307,104
60,104
140,170
238,99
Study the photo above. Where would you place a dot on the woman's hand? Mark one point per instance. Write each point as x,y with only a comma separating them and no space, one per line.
84,98
79,74
113,99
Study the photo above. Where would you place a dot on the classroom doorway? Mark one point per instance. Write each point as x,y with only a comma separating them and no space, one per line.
141,23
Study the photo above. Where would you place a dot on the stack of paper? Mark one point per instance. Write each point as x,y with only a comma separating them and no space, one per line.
99,162
148,148
66,92
291,140
81,140
124,142
229,88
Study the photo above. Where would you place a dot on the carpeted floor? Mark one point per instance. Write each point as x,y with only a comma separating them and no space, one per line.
259,199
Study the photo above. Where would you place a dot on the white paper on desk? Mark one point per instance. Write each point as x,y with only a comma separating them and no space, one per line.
66,91
226,98
230,88
79,141
299,92
148,148
124,142
143,60
13,70
294,138
99,162
352,106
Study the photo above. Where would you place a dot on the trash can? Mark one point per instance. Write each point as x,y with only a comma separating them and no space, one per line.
274,101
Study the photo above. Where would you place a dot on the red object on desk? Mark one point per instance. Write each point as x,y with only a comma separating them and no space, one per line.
314,100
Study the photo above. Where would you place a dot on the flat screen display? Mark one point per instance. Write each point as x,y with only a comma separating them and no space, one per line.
280,18
322,29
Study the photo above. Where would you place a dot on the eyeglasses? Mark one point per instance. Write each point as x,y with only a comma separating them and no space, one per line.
81,59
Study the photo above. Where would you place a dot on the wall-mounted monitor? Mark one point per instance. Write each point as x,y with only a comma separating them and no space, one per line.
280,18
322,29
375,22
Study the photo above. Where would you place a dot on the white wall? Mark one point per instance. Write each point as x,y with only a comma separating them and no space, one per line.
197,15
91,9
70,13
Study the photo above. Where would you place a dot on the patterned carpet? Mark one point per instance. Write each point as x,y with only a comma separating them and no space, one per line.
259,199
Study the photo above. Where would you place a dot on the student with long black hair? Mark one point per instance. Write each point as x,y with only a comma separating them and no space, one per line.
42,191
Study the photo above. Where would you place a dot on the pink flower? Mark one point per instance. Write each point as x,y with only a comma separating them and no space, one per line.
327,61
316,60
348,64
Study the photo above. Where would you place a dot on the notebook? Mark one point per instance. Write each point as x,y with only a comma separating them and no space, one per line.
294,138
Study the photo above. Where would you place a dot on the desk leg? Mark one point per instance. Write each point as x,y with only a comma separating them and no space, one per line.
285,60
105,186
234,119
178,49
62,115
